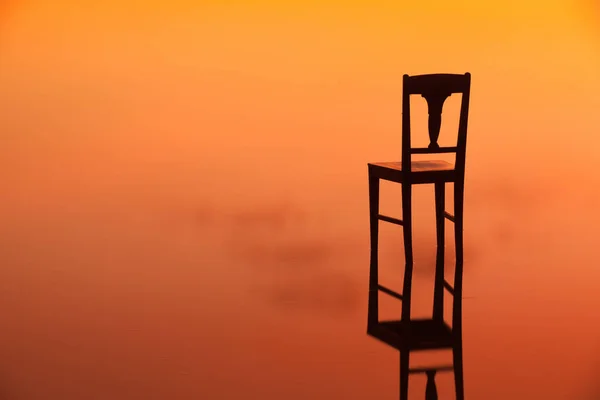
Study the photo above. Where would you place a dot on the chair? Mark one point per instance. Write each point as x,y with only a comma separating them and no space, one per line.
406,334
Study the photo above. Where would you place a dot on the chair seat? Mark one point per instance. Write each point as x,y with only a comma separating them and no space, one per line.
424,171
417,334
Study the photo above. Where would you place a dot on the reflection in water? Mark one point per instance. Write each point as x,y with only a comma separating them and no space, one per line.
422,335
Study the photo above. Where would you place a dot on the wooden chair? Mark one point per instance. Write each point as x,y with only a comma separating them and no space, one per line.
408,334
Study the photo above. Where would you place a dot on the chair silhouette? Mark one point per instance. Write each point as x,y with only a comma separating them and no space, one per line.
408,334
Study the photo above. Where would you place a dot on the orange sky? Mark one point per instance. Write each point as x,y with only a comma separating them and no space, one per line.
170,164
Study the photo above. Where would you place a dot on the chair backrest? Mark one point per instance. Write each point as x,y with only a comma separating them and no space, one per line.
436,88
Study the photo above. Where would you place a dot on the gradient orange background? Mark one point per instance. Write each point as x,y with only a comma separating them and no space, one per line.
184,200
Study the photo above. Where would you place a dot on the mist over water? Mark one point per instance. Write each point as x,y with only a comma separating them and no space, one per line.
184,207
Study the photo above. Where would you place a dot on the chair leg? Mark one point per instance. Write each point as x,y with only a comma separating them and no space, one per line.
404,373
373,307
458,242
438,293
458,278
458,372
430,388
408,251
407,285
458,234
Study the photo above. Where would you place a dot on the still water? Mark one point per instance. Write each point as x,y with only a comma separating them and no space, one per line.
184,197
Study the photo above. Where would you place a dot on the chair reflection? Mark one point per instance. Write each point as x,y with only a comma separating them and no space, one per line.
419,335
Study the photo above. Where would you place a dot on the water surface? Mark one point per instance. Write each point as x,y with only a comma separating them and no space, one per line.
184,203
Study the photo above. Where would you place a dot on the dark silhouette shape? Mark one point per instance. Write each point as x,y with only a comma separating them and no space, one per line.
408,334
